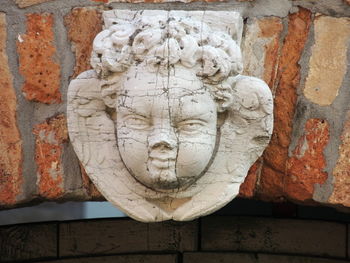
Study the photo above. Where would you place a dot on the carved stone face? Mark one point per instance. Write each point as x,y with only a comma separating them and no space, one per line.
166,127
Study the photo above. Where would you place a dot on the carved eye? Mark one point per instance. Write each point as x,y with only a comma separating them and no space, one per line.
136,122
190,126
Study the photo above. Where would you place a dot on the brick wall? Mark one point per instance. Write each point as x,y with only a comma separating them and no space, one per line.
208,240
301,48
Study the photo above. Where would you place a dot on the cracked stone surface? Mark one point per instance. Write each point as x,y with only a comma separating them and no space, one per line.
164,124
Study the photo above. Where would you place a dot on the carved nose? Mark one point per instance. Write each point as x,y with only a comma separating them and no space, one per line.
163,140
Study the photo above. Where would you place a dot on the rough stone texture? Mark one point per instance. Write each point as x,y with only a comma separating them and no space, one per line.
37,59
269,235
26,3
288,76
10,139
125,236
50,137
24,242
328,61
341,172
83,25
306,166
157,258
260,48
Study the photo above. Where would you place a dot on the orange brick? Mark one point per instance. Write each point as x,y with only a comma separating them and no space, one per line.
50,136
306,166
341,171
247,189
10,140
83,25
37,61
288,77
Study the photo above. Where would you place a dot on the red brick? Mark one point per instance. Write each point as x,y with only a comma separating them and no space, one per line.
50,136
271,28
90,188
306,166
10,139
83,25
37,60
247,189
288,77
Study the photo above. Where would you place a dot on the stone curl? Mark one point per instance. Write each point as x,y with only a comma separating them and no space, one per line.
160,42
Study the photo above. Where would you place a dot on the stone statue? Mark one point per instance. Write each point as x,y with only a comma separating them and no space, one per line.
164,124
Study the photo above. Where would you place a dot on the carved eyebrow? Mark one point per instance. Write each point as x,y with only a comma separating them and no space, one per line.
131,111
188,117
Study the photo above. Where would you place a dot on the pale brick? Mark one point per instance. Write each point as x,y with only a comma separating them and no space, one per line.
26,3
328,60
10,140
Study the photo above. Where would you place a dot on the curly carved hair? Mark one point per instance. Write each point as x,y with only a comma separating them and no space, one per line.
160,41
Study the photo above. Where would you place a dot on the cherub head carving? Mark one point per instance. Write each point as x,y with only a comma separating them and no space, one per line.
165,125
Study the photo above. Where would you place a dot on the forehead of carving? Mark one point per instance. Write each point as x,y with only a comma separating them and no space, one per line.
148,94
180,82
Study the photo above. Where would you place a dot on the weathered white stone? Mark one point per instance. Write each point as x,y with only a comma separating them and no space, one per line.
165,125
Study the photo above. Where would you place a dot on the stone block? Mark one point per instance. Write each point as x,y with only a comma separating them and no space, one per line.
288,77
252,258
328,60
125,236
264,258
31,241
49,140
11,179
203,257
38,60
147,258
274,236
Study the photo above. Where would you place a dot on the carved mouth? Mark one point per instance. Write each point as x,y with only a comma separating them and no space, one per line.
162,163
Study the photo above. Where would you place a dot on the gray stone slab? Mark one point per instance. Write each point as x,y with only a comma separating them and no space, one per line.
295,259
32,241
125,236
201,257
305,237
164,258
219,257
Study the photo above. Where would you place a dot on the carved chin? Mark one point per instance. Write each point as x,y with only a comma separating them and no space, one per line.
163,179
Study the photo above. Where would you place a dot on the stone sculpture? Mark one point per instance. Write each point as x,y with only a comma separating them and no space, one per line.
164,124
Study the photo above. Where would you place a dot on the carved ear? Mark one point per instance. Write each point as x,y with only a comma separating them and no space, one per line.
109,93
252,98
